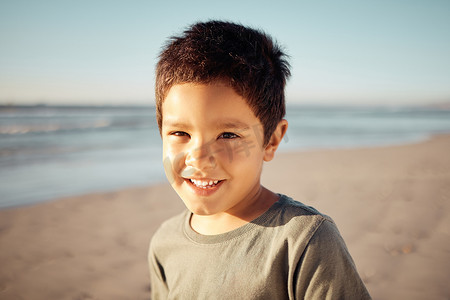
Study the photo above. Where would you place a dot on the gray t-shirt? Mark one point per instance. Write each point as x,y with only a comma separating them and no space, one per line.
289,252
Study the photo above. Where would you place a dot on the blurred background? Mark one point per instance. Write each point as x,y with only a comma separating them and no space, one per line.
76,83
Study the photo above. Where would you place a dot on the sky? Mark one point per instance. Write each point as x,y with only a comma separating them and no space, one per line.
365,52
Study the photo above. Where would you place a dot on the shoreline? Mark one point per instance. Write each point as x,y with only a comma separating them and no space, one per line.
390,203
163,180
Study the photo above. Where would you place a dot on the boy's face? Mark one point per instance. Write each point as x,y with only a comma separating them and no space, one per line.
212,148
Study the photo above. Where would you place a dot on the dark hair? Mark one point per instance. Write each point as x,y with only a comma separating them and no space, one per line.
243,58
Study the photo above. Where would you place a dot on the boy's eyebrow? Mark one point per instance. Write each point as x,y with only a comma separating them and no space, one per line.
221,124
175,123
232,123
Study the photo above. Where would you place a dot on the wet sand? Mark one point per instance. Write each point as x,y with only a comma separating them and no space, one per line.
391,204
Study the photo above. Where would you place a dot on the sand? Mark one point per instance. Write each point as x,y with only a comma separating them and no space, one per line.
391,205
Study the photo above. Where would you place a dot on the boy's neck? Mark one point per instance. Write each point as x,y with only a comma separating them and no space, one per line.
225,222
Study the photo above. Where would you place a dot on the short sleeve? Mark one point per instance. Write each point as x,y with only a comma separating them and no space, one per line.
326,270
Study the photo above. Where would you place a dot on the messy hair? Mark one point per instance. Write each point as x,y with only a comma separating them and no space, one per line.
246,59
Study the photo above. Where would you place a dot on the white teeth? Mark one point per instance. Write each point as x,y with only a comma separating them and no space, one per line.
204,184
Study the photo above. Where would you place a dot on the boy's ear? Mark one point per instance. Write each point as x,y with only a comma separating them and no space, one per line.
275,140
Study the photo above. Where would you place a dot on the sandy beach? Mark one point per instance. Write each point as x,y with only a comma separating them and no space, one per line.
391,204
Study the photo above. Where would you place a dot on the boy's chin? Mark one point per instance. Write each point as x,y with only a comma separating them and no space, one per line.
200,210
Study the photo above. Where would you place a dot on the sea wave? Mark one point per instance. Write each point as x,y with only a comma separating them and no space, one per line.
12,129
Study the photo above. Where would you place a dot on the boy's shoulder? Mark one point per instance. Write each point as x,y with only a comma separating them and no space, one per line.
292,218
293,213
171,227
290,208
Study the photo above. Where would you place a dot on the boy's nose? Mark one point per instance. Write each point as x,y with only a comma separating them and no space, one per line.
201,158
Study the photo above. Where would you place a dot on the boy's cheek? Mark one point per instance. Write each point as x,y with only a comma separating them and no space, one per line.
173,162
238,151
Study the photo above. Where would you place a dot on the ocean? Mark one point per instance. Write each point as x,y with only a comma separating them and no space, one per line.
48,152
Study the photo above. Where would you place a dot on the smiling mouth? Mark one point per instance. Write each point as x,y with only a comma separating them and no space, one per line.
204,184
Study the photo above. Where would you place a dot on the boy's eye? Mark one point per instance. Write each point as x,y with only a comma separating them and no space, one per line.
179,133
228,135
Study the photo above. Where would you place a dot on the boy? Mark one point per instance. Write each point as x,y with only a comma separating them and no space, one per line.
220,108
